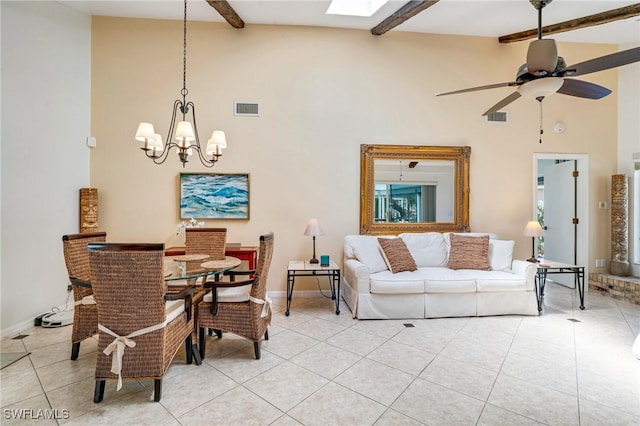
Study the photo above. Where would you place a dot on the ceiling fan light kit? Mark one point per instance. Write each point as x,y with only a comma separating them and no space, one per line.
541,87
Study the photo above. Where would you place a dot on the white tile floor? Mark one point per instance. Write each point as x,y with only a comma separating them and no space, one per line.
322,369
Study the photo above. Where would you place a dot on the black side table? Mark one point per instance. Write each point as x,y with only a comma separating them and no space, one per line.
300,268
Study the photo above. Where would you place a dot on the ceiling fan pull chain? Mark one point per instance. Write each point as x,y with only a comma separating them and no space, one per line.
541,131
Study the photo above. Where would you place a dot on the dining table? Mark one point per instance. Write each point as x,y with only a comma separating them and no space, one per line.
195,266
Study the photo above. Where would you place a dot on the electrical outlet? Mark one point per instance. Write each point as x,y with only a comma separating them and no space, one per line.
599,263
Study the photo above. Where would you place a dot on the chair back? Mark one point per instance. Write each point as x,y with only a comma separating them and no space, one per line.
211,241
76,258
128,285
265,253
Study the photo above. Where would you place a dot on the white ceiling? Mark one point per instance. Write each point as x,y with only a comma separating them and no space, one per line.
491,18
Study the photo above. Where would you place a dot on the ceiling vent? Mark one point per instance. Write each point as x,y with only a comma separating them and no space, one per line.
247,109
498,117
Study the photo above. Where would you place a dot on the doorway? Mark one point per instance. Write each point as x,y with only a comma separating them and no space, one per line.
567,197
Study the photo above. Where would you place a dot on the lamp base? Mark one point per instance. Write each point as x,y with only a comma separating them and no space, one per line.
314,260
533,260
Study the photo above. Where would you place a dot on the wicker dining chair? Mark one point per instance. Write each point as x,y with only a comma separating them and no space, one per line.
239,307
140,325
211,241
76,258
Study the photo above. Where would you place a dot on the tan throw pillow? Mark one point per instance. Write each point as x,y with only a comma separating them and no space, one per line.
397,255
469,252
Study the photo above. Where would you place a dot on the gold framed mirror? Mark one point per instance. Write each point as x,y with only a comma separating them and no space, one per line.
406,188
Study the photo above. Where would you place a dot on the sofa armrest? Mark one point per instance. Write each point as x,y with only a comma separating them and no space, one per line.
357,274
527,270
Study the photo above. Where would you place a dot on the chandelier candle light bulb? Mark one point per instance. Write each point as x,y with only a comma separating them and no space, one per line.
146,134
216,143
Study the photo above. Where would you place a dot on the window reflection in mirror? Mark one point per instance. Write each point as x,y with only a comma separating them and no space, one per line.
406,188
413,191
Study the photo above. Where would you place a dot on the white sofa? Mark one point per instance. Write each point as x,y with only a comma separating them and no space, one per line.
433,290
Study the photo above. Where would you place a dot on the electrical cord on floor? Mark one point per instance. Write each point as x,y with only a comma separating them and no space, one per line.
320,289
55,309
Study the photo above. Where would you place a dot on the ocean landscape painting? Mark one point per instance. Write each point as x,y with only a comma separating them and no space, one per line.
214,196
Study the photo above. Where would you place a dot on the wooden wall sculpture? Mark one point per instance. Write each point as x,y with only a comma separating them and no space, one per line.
88,210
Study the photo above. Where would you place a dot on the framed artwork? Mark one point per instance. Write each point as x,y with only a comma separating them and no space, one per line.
214,196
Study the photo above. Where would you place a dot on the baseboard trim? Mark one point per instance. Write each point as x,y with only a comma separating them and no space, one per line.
16,329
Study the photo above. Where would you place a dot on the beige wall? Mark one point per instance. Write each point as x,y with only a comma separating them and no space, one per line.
323,92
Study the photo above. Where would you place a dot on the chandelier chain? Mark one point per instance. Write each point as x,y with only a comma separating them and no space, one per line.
184,90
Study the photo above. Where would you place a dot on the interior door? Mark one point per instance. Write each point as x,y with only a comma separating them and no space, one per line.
559,212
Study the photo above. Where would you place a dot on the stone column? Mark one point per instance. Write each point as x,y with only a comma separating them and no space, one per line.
88,210
619,226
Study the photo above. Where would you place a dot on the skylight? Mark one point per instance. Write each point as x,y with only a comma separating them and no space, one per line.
355,7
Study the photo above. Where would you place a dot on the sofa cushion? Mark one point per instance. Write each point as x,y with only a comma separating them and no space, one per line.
498,281
427,249
396,255
500,255
444,280
365,248
447,236
469,252
406,282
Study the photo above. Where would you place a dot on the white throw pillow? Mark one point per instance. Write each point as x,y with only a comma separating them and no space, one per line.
501,255
427,249
366,249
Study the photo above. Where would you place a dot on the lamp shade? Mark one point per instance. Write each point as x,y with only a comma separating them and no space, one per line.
313,228
184,133
217,142
156,142
145,132
533,229
541,87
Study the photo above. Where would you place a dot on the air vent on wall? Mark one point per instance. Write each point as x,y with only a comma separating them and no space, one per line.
247,109
499,116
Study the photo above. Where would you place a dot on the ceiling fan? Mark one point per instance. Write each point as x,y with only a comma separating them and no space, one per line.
545,72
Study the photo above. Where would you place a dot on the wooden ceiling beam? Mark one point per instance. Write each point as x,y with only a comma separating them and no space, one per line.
409,10
576,24
226,11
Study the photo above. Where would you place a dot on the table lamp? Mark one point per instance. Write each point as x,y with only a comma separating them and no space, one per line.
533,230
313,228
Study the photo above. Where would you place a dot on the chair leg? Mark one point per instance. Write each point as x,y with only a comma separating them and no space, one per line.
256,349
218,333
188,348
157,390
201,341
98,393
75,350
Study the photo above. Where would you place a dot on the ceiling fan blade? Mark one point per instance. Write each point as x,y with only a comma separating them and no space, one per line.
542,55
583,89
606,62
473,89
506,101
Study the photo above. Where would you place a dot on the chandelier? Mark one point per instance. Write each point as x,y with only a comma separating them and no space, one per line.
185,130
